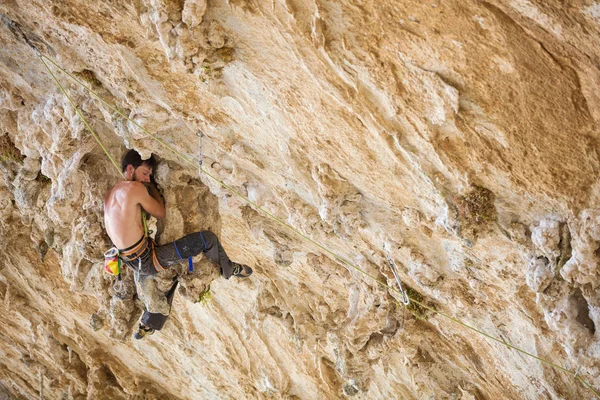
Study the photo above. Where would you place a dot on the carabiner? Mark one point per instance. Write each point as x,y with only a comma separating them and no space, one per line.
405,298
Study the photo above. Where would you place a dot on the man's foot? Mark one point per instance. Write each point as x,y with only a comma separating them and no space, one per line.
241,271
142,331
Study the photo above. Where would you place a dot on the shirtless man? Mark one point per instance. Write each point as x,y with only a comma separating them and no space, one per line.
123,207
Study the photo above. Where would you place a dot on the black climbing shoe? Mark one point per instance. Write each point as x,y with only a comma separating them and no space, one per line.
241,271
142,331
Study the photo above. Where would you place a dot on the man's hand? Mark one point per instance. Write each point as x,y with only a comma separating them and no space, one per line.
153,191
153,180
149,198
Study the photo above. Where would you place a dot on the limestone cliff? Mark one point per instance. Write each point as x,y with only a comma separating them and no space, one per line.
461,135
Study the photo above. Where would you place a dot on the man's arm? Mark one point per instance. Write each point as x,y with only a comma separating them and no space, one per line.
155,193
150,199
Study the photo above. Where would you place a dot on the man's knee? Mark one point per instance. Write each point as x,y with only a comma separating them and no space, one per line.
209,239
192,244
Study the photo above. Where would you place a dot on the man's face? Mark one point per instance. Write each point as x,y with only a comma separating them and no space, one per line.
142,173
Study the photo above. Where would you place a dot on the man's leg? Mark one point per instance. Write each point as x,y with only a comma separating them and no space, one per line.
151,321
216,253
153,297
196,243
156,321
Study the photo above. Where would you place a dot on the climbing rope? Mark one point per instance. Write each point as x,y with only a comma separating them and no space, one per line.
78,111
322,247
80,114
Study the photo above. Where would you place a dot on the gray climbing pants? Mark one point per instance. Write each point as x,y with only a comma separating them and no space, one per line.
147,258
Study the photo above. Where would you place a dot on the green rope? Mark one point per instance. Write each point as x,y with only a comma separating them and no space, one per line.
81,116
322,247
117,110
144,222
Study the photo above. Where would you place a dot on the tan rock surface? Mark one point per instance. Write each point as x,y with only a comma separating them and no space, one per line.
462,135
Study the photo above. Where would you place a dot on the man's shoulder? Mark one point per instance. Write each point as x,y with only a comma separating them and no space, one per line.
135,190
129,186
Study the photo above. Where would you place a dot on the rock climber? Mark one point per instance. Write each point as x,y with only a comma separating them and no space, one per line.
124,205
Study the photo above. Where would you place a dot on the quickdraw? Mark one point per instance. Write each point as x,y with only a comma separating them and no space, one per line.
405,298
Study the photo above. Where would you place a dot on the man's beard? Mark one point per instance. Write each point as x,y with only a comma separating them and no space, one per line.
135,178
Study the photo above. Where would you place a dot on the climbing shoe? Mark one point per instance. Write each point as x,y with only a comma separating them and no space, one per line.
142,331
241,271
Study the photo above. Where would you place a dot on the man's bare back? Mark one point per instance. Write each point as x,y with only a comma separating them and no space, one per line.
123,206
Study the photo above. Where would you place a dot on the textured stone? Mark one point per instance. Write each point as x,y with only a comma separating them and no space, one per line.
462,135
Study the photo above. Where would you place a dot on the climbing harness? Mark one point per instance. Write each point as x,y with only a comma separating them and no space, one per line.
144,254
405,298
272,216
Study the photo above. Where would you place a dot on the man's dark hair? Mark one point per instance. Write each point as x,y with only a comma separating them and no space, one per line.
133,157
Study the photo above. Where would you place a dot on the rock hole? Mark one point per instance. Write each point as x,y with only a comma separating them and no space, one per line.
583,312
111,379
328,373
423,357
42,178
391,326
88,76
544,260
564,245
350,388
8,151
597,252
274,311
375,340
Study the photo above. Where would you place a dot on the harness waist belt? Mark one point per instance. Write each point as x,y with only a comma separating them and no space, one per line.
136,250
144,252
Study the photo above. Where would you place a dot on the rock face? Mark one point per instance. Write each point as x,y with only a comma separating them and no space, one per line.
460,135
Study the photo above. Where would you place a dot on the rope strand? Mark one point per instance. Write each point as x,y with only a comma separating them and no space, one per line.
293,229
81,116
